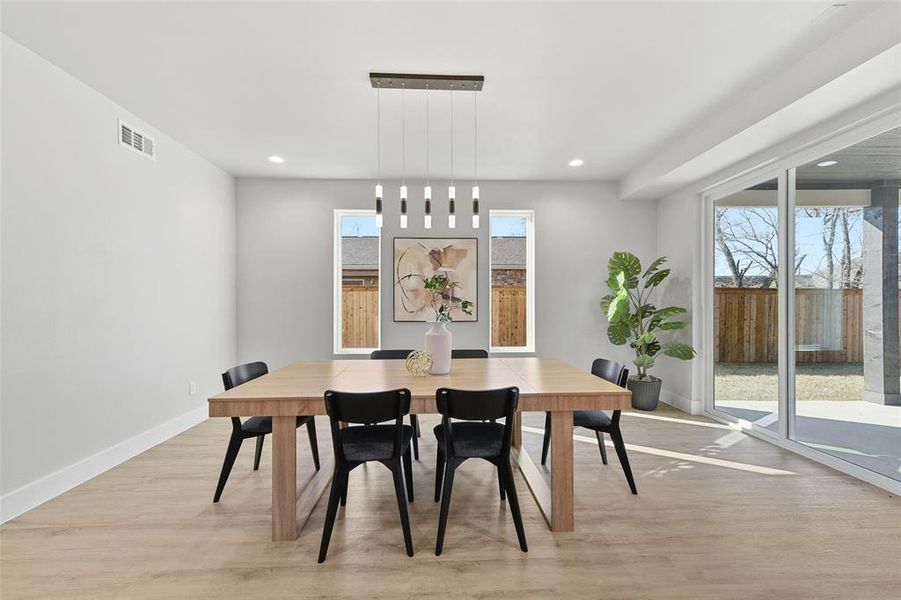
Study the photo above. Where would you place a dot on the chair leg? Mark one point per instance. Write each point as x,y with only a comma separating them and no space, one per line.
617,436
414,421
445,506
601,446
547,437
344,485
338,482
500,482
258,453
408,474
513,501
415,439
402,506
231,453
314,445
439,474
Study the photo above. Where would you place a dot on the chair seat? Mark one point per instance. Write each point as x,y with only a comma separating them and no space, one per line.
474,440
263,425
373,442
591,419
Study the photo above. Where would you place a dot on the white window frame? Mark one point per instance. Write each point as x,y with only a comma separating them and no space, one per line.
782,167
530,281
337,313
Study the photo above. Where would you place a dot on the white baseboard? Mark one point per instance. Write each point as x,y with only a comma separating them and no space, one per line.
37,492
686,405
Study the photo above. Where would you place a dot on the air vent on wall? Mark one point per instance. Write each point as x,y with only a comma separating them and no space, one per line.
136,140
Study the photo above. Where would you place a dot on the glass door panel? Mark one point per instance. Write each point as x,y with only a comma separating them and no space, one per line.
847,380
746,301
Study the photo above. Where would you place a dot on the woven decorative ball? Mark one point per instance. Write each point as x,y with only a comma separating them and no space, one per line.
419,363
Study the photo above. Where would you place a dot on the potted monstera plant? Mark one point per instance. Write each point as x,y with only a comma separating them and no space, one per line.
635,321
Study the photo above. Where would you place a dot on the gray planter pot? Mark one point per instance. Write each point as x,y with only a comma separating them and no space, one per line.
645,394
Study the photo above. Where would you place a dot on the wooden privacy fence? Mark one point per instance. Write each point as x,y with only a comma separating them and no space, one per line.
828,325
360,321
359,325
508,315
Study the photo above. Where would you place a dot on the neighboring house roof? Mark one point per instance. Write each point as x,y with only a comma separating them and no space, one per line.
508,253
360,253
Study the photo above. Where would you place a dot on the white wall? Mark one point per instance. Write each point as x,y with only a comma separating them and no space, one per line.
285,274
118,284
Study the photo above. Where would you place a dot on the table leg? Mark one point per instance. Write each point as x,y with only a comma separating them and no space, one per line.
517,430
284,479
562,471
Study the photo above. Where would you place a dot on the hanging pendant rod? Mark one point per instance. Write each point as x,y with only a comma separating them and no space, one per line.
427,81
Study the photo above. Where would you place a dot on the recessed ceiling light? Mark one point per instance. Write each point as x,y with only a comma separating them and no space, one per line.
827,163
576,162
276,159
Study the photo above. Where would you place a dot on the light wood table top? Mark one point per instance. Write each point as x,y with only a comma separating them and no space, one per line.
544,384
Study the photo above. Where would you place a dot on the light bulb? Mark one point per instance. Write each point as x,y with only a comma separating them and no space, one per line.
378,191
428,221
378,220
403,221
475,221
428,192
403,192
451,192
451,221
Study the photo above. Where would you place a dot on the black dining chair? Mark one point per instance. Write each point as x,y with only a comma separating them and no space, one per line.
470,438
400,355
599,421
254,427
358,444
469,353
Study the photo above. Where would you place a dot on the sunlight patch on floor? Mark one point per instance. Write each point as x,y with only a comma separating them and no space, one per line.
715,462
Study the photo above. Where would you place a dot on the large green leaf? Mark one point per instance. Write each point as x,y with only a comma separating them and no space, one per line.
605,303
670,325
618,333
657,278
619,306
654,266
627,264
679,350
643,361
662,314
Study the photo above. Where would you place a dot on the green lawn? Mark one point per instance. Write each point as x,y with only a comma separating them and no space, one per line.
758,381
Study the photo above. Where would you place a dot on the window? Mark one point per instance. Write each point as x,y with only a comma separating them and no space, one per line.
512,251
357,271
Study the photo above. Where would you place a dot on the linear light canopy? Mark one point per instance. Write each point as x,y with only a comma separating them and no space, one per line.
427,81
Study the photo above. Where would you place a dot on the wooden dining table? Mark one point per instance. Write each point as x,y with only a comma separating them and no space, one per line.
545,384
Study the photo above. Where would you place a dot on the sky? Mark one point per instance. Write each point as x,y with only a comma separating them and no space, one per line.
364,226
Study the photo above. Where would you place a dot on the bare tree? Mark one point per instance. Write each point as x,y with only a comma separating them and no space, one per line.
830,218
737,271
752,233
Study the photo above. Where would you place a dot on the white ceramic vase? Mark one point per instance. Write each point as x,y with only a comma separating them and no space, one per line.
438,343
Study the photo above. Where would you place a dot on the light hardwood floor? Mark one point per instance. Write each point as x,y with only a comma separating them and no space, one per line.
719,515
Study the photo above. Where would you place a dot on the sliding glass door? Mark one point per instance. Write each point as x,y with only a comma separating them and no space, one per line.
745,298
805,335
847,377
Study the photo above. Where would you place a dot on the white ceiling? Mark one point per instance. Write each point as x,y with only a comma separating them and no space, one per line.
609,82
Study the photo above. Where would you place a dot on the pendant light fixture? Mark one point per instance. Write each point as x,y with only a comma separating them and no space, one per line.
378,186
427,82
451,190
403,187
428,182
475,160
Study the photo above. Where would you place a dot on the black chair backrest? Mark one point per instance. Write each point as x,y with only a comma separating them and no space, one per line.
469,353
477,405
243,373
366,408
610,370
390,354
